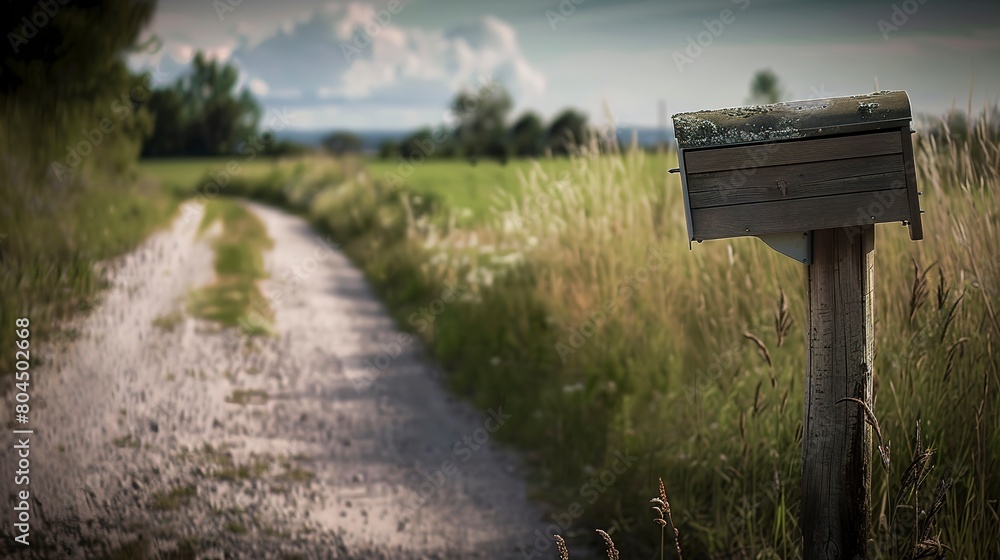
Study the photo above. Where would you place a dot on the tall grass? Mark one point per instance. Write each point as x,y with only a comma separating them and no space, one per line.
593,324
57,231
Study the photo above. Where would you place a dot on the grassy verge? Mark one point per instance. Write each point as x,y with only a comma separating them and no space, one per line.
233,298
52,246
584,314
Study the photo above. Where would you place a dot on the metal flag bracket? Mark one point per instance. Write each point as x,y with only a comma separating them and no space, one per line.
795,245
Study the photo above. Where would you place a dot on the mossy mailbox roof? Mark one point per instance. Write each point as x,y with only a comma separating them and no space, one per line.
796,167
791,120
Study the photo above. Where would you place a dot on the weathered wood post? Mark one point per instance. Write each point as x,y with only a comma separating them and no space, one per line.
836,441
811,179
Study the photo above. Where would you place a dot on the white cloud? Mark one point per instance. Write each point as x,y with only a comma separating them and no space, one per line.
259,87
181,53
222,53
345,53
293,54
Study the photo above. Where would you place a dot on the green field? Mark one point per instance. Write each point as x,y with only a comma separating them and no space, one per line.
477,190
186,173
461,185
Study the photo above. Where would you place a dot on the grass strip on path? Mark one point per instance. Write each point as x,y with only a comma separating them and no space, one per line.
234,299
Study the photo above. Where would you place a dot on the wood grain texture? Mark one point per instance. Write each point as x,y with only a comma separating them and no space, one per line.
840,211
803,180
916,225
836,441
787,153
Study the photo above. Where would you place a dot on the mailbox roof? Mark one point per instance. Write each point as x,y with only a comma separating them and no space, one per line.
791,120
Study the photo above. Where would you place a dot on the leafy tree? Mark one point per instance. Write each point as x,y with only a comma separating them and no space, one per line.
526,136
204,110
342,142
73,55
388,149
481,117
218,117
567,130
61,73
286,148
420,142
169,132
765,87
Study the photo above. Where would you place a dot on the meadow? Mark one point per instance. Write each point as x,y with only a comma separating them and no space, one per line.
468,191
186,174
589,319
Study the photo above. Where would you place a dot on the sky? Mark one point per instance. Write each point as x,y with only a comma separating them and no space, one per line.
396,64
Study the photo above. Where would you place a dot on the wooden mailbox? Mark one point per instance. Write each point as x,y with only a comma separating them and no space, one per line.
790,168
811,178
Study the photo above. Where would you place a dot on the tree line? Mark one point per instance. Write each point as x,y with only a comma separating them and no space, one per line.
483,132
204,114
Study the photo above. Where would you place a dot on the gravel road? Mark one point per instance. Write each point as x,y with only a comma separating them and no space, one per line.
158,435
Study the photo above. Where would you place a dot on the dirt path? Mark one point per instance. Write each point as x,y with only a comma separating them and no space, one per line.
157,435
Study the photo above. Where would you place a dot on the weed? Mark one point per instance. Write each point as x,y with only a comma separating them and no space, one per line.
175,498
247,396
129,441
169,322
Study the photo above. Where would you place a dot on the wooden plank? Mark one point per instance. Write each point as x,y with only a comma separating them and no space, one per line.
804,180
836,441
687,201
787,153
916,227
819,171
889,205
847,185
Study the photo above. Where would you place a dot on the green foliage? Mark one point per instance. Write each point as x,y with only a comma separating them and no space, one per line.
73,58
388,149
480,132
202,114
482,116
170,134
526,136
765,87
568,129
60,82
342,142
282,148
418,144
